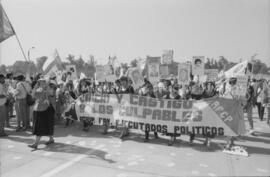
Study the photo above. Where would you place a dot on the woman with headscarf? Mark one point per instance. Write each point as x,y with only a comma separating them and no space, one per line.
44,109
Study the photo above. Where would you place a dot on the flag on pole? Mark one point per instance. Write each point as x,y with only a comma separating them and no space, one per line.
54,62
40,62
238,69
6,29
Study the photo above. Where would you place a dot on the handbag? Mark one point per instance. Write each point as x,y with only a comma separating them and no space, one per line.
29,99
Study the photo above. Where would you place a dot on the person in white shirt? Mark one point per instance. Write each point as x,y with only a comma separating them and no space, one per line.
3,107
22,110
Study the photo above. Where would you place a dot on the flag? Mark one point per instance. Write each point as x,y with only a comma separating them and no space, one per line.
237,70
40,62
6,29
54,62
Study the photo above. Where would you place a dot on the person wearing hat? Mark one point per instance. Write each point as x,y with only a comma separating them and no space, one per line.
43,122
11,100
3,107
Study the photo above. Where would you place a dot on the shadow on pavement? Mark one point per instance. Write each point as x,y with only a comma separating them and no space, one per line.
60,147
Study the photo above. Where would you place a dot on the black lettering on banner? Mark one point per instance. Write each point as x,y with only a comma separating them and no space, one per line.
207,131
214,130
158,128
130,124
166,115
109,109
142,101
135,125
220,131
174,117
176,129
141,125
133,99
146,112
161,103
147,127
119,97
153,127
152,102
156,114
164,129
197,130
183,130
187,104
177,104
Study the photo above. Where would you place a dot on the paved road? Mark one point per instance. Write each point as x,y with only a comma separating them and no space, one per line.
77,153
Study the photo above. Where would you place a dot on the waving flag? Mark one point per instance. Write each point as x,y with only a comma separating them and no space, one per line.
53,63
237,70
6,29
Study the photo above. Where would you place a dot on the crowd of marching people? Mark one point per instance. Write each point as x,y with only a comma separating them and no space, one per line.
40,102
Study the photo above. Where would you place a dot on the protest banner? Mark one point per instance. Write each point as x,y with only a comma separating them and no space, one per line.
167,57
198,65
136,77
183,73
163,71
153,69
214,116
212,74
72,69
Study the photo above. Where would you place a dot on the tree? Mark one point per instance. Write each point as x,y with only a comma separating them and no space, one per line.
134,63
3,69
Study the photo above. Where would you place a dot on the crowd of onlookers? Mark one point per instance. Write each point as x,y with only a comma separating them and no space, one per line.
17,92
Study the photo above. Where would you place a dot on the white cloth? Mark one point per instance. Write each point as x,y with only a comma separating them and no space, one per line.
22,89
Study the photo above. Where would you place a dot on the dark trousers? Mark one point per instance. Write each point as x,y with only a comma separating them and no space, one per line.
260,110
147,134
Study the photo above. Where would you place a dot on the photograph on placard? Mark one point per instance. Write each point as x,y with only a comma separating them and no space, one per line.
72,70
198,65
183,73
136,77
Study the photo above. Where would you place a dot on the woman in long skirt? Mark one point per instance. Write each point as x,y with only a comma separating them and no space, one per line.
44,110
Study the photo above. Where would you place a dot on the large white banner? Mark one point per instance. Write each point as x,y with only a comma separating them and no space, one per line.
216,116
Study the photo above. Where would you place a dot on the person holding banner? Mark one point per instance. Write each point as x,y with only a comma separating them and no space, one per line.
174,96
148,90
126,88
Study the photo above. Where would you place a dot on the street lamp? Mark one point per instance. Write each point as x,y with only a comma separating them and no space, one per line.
29,52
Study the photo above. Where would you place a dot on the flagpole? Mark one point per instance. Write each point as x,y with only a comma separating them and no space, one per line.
15,34
21,47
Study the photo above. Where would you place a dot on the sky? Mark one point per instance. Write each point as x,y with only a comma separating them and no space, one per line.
236,29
